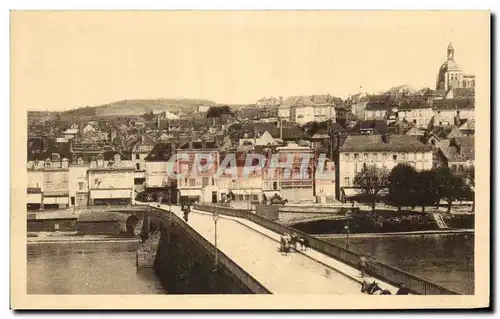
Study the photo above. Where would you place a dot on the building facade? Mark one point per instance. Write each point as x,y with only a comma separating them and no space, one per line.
111,182
383,151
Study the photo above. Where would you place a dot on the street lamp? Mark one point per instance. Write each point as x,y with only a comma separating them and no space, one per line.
348,230
215,216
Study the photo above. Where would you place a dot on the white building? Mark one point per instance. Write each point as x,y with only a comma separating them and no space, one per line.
383,151
78,184
111,182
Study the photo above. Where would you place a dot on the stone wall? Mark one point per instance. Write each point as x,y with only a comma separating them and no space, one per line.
184,267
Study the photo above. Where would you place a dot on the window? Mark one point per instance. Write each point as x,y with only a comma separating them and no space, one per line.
355,155
346,181
454,168
403,156
375,156
346,155
364,166
240,197
255,197
421,113
204,181
80,186
138,166
137,156
384,155
213,181
192,182
365,155
461,168
395,157
247,197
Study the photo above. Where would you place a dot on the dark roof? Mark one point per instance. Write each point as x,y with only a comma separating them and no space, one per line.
459,149
377,126
376,106
452,104
467,146
413,104
374,143
161,152
464,93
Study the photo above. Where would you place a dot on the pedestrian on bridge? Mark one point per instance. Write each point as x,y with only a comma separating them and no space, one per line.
363,265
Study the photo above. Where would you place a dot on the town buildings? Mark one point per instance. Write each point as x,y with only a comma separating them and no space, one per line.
111,161
383,151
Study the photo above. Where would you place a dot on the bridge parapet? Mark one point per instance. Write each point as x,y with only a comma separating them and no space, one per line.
378,269
230,266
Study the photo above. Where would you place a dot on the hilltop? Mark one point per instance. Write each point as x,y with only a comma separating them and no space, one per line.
138,107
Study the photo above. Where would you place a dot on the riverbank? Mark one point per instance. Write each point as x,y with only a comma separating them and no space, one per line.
423,232
73,237
388,222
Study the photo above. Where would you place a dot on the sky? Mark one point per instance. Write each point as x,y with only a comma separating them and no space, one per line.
63,60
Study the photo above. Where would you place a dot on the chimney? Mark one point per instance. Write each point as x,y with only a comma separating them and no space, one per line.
280,100
386,137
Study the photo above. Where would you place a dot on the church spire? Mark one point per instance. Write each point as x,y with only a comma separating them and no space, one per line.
451,52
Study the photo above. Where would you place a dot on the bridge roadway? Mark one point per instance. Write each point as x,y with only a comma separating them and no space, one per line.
255,249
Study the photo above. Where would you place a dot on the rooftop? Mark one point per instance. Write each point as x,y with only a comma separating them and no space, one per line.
376,143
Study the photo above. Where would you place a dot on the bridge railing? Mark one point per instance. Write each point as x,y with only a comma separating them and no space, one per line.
377,268
239,273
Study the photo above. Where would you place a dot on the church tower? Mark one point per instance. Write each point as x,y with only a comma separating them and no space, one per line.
450,73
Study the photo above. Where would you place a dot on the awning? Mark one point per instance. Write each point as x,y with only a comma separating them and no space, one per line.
110,193
253,191
190,192
349,192
55,200
34,198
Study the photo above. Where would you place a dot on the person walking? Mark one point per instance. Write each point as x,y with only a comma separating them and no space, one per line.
282,244
295,239
363,265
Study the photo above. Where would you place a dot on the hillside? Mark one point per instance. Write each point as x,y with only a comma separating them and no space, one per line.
138,107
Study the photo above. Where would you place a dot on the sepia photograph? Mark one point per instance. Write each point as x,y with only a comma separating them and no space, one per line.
250,159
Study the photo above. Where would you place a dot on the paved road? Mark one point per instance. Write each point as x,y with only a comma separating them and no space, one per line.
258,254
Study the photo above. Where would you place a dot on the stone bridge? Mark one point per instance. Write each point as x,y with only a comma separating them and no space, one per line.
223,250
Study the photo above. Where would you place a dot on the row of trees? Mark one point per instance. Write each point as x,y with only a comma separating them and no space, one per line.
409,188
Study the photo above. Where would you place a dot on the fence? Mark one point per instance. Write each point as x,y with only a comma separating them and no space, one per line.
248,281
377,269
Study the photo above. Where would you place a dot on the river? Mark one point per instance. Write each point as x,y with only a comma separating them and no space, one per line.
88,268
446,259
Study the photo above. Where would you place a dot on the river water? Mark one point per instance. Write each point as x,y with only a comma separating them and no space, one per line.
110,268
88,268
446,259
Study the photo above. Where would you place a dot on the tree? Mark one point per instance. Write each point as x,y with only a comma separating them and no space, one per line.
451,186
470,181
402,183
217,111
371,180
427,190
